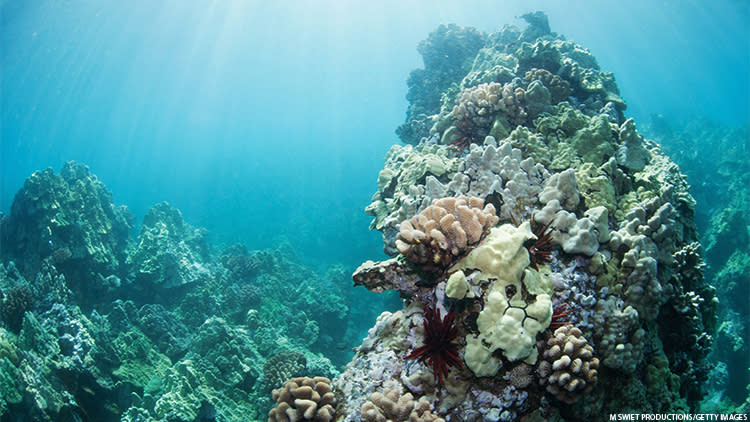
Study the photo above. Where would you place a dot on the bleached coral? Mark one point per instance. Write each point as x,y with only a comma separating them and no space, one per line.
563,188
517,302
500,170
631,153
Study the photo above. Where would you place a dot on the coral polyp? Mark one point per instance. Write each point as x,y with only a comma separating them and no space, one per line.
438,349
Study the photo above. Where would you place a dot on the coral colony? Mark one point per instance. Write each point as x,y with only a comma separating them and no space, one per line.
527,206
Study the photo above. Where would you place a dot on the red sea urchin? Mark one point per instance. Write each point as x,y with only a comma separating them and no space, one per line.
540,249
438,349
465,136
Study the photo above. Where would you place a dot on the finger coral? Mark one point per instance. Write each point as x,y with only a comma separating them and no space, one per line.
569,368
477,108
304,399
435,237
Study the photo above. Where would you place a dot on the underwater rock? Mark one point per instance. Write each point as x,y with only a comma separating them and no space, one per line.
447,54
617,251
166,336
170,254
69,217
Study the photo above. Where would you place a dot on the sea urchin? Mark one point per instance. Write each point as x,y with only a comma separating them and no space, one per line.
540,249
438,349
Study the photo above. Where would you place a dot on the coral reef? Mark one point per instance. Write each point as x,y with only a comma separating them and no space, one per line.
448,52
543,249
721,188
71,217
170,253
168,330
570,296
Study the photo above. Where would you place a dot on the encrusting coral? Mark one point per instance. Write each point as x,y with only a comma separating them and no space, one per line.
445,230
304,399
568,368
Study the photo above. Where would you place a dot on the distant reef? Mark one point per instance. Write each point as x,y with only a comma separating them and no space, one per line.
723,223
97,325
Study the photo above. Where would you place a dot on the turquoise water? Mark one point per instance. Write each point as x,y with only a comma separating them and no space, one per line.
249,116
267,124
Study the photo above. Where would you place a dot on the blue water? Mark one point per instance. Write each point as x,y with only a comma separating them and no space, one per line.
269,121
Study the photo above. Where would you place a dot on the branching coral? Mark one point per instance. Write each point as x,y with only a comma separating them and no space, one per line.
282,366
392,405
